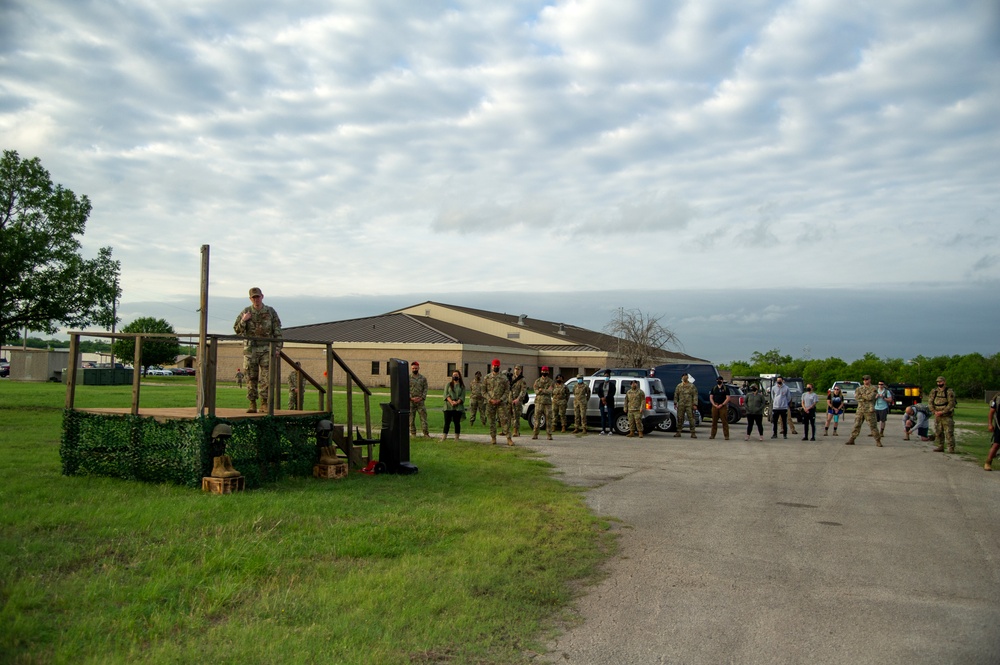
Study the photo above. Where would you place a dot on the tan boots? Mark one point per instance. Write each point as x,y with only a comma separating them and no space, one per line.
223,467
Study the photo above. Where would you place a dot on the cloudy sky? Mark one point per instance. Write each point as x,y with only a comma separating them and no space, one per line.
720,163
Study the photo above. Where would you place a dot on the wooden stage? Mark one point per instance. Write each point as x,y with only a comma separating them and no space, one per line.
191,413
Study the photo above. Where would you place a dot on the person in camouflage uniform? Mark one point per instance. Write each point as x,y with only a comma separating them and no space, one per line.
635,404
544,387
581,398
560,398
686,401
293,390
942,402
518,394
418,399
496,392
865,395
258,323
476,402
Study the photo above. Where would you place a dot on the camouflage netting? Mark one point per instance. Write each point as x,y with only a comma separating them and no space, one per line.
181,451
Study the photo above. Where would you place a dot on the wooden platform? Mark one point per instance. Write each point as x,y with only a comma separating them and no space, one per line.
190,413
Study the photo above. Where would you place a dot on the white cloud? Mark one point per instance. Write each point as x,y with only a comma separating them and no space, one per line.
372,147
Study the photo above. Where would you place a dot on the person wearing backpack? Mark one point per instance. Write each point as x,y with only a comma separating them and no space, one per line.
942,402
923,416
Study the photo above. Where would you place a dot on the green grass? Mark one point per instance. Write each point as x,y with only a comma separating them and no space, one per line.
472,560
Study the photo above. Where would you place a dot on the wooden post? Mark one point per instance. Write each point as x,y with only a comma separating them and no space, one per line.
329,379
211,368
74,346
272,376
202,331
300,396
368,418
350,418
136,374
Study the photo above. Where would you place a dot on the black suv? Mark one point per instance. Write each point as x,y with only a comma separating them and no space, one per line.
703,374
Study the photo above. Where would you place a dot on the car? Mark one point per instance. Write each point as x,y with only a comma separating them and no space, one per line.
177,371
4,369
656,402
847,389
737,404
669,423
158,371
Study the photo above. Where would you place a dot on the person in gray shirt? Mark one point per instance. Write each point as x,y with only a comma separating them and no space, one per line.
780,398
809,401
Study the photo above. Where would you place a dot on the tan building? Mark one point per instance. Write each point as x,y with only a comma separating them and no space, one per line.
443,338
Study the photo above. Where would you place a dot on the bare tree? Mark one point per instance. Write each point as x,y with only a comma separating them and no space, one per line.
641,337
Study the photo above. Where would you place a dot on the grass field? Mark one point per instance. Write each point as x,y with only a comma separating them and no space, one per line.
473,560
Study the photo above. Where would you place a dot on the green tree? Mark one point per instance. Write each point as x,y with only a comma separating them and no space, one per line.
44,282
155,350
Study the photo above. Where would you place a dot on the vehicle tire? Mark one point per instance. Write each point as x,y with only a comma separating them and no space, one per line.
669,424
767,413
531,418
620,423
734,416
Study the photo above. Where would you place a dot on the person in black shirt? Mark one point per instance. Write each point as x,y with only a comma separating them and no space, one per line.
719,398
607,393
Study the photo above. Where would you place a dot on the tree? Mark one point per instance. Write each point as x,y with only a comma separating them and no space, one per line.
642,339
155,350
44,282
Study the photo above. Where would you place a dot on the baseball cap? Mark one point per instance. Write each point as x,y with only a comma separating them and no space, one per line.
255,291
495,363
545,368
414,364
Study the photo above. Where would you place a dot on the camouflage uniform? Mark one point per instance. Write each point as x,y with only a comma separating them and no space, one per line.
543,403
942,400
262,324
418,388
865,395
560,398
293,390
581,397
635,404
496,391
685,400
518,393
476,402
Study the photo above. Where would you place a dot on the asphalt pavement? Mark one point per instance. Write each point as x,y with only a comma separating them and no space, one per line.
785,551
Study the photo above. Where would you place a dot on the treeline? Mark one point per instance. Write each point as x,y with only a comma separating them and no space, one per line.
970,375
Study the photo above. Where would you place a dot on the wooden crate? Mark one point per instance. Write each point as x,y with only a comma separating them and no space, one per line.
338,470
223,485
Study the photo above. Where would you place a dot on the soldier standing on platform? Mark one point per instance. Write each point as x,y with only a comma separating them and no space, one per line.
635,404
942,402
518,394
496,391
476,402
543,387
686,401
581,398
418,399
865,395
560,398
257,323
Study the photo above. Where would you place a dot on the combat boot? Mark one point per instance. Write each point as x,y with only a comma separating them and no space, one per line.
951,450
493,439
228,462
987,467
640,435
263,406
849,442
939,449
878,442
510,441
677,435
253,406
219,468
564,428
328,455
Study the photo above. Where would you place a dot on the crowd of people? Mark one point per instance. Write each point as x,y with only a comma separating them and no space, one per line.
497,399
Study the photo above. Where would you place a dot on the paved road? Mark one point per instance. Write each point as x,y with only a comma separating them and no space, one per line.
786,551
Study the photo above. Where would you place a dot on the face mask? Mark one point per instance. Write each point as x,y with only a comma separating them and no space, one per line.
454,378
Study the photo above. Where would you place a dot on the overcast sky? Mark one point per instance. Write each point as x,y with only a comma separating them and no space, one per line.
379,152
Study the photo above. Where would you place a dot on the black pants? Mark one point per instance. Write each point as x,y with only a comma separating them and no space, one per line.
809,418
755,418
783,414
453,417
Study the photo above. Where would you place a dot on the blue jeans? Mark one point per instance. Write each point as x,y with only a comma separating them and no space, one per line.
607,413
